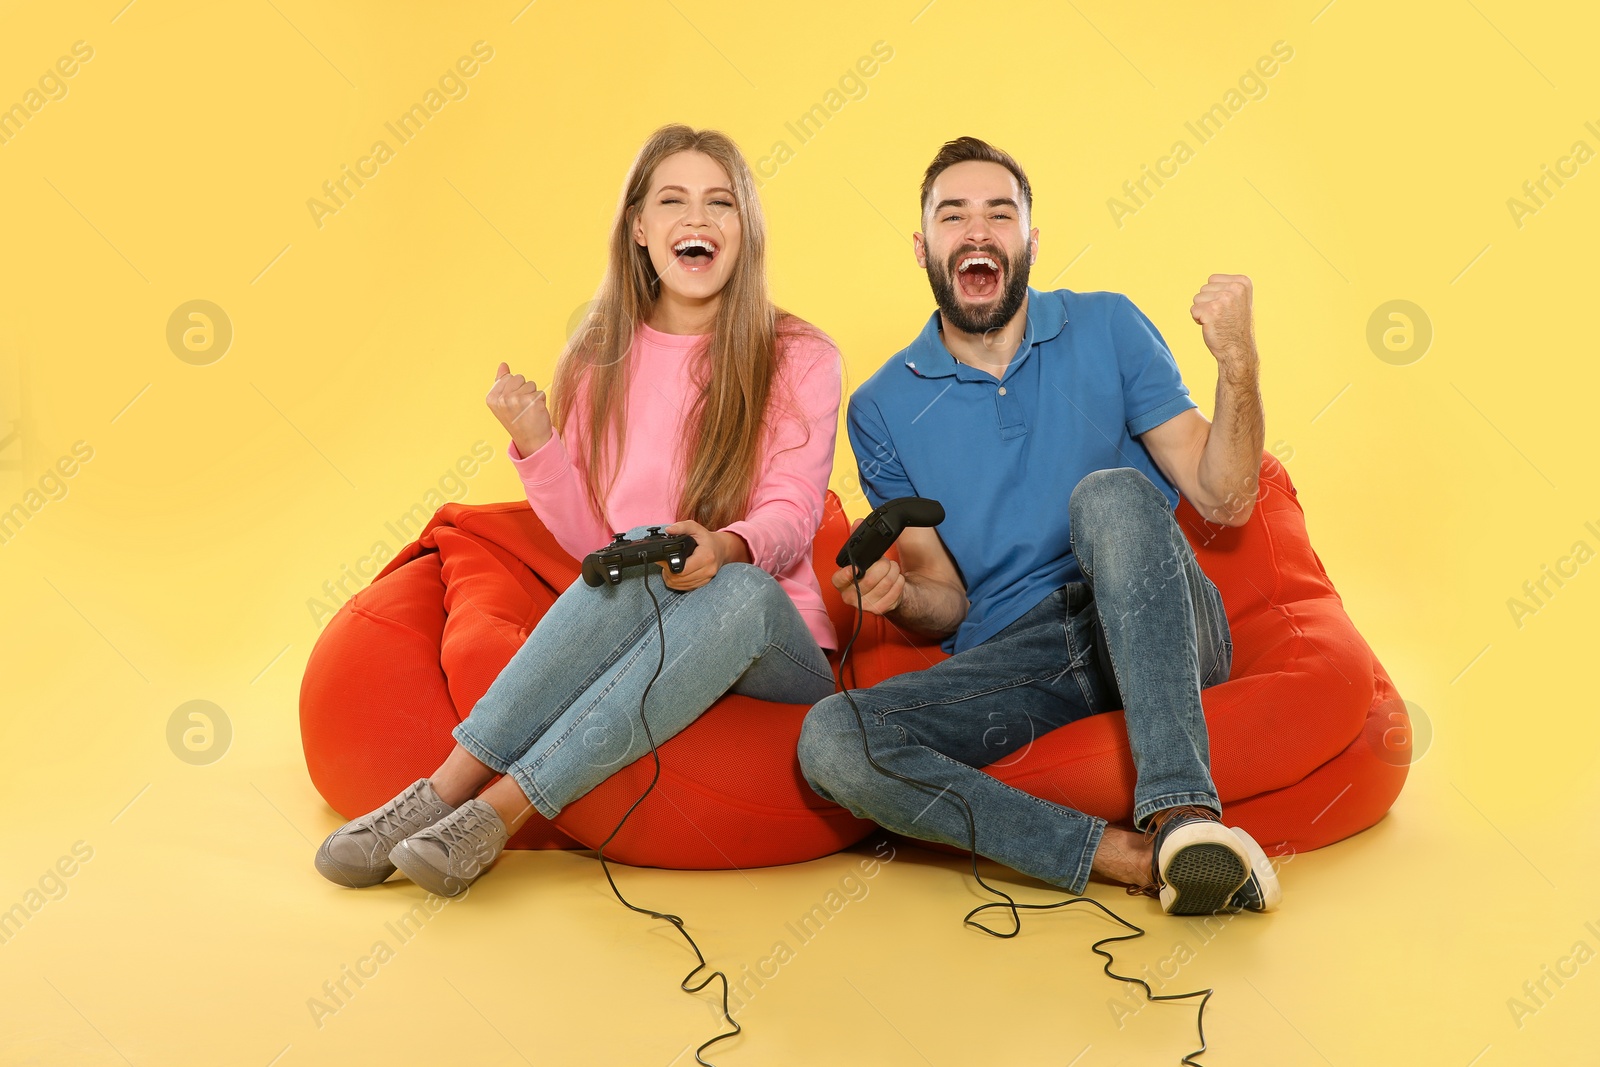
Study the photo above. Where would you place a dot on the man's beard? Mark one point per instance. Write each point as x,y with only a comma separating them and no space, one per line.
982,320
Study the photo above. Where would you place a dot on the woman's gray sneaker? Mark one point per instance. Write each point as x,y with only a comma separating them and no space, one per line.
357,853
448,856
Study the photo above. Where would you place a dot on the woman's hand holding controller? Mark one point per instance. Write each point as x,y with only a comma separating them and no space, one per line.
713,549
522,409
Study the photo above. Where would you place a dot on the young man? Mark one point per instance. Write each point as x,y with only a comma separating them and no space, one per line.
1055,429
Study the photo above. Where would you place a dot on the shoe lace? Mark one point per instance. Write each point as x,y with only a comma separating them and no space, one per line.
1162,817
468,830
399,820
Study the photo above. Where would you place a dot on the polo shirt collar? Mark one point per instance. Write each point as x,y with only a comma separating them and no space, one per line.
929,358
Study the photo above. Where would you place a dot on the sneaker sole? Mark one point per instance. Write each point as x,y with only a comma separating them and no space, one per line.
1201,877
1266,877
439,883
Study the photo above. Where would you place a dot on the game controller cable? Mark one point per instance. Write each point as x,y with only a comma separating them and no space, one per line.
1007,901
675,920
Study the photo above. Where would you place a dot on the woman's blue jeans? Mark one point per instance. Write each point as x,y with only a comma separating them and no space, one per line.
1145,633
563,715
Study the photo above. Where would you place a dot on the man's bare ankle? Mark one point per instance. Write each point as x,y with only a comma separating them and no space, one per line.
1123,857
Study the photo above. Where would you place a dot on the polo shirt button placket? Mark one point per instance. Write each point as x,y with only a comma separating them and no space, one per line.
1011,423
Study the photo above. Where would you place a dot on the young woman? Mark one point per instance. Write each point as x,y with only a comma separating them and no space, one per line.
689,396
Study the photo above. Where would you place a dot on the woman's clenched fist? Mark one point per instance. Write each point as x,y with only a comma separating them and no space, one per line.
522,409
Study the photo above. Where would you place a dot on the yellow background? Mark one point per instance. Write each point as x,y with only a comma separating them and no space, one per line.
181,560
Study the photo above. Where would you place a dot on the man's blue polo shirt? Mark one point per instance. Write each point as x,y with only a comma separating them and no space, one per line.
1003,455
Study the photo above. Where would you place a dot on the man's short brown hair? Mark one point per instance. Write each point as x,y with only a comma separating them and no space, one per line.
965,149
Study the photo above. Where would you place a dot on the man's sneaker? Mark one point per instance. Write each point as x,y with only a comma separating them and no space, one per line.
1260,891
448,856
1197,864
357,853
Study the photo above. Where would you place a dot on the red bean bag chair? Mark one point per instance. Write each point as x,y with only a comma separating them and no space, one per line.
1308,738
408,657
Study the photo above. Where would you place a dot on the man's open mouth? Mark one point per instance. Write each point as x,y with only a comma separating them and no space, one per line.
978,275
695,253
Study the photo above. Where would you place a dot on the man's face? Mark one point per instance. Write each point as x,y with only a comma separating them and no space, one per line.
977,247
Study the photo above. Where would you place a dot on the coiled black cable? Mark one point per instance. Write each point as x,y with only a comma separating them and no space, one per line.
675,920
1007,901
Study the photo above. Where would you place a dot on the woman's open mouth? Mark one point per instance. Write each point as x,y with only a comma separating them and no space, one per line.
978,275
695,254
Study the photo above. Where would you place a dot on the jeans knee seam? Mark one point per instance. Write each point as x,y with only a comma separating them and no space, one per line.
775,646
915,705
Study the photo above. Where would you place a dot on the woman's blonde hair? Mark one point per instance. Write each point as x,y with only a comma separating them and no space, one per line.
738,365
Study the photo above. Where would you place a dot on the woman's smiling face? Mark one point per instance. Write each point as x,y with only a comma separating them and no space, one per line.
689,222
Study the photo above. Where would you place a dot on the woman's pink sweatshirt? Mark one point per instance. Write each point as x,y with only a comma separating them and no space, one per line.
786,508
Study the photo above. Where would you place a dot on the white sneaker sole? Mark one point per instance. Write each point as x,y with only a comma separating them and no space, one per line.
1266,876
1202,865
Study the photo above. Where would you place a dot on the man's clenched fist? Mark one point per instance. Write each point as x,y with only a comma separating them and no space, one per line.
1222,308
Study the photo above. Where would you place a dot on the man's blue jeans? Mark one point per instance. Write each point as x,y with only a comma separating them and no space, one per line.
1145,633
563,715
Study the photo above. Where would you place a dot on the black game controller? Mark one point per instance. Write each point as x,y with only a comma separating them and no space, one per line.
878,531
606,564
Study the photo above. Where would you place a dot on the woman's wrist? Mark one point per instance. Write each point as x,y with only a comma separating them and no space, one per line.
528,448
731,548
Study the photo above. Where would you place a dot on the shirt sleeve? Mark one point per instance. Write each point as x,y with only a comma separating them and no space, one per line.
883,476
1152,387
786,507
556,493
